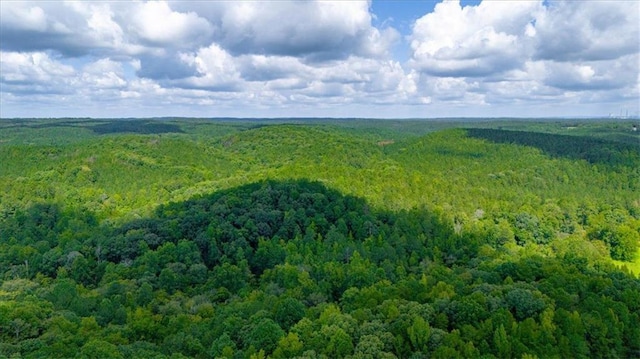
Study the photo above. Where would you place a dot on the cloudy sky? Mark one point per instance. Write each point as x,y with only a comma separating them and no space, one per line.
307,58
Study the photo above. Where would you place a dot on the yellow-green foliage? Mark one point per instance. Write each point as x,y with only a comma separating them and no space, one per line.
120,175
192,238
472,183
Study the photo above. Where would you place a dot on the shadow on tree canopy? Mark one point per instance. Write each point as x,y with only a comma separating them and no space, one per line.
593,150
145,127
288,267
250,224
253,222
101,126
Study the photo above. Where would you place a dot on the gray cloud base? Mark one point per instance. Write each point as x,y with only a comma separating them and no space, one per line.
318,58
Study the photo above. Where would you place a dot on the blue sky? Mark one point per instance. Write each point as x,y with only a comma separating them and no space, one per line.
319,58
401,15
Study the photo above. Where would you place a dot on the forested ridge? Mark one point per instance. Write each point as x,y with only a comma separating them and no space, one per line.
237,240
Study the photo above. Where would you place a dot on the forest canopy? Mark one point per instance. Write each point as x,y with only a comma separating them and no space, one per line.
345,239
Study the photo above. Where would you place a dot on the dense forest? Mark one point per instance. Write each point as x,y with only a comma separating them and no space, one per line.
318,239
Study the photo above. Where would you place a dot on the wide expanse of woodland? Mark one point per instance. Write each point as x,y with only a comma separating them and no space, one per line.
308,238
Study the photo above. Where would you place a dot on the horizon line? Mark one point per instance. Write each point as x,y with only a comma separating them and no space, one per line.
330,118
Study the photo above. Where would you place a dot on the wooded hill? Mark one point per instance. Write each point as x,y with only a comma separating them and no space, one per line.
408,239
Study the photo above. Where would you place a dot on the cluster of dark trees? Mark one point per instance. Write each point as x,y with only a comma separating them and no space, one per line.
136,126
294,269
591,149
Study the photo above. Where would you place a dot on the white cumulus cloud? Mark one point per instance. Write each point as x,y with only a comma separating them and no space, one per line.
318,57
588,31
470,41
22,71
216,70
158,25
526,52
